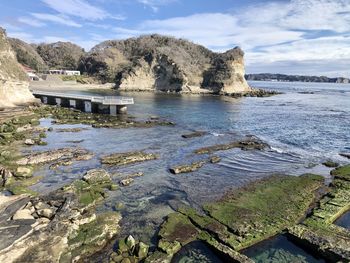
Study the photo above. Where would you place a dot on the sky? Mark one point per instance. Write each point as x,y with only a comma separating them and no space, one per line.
306,37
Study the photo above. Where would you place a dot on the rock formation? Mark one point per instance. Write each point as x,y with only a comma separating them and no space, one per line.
159,63
13,80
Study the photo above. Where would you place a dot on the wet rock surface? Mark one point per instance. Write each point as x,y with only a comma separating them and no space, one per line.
187,168
76,154
58,227
129,250
345,154
251,143
194,134
318,231
72,116
241,218
120,159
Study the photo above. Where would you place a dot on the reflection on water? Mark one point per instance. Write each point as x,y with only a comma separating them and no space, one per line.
195,252
279,250
344,220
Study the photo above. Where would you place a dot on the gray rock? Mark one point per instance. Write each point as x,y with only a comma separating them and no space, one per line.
23,214
46,212
130,242
97,176
5,176
24,172
126,182
29,142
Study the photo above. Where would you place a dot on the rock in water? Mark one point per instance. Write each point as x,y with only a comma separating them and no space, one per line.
346,155
126,182
13,80
97,176
29,142
127,158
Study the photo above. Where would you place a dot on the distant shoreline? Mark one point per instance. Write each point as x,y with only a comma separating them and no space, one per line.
295,78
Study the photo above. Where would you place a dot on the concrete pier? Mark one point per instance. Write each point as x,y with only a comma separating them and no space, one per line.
112,105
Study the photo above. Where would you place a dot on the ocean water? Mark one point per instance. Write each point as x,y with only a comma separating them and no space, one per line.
306,125
279,249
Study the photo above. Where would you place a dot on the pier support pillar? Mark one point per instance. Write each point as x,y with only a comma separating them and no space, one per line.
58,101
121,109
44,100
113,110
87,106
72,103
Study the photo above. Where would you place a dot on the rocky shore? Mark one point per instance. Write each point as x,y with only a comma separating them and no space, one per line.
63,226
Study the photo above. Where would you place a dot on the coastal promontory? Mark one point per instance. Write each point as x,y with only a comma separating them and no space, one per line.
161,63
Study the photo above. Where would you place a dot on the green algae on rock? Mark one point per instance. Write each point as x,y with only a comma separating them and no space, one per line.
187,168
94,235
91,188
342,172
318,230
73,116
120,159
266,207
242,217
129,250
251,143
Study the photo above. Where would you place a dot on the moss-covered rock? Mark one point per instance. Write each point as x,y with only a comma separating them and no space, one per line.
318,230
250,143
266,207
187,168
119,159
93,236
342,172
70,116
175,232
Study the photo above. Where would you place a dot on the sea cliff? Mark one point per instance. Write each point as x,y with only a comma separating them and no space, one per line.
13,80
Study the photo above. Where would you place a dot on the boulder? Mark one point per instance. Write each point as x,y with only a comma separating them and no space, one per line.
22,214
130,242
97,176
23,172
29,142
126,182
187,168
142,250
46,212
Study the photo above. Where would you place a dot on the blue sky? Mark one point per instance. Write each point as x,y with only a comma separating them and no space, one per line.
278,36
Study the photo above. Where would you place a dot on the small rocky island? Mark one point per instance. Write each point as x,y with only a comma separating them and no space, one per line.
65,224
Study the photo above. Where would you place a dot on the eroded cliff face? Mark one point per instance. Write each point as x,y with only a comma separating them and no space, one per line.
13,80
159,63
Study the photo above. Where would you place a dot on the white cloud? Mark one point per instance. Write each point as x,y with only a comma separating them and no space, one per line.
80,8
300,15
296,30
31,22
155,4
59,19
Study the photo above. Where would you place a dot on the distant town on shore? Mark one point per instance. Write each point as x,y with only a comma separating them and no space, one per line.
293,78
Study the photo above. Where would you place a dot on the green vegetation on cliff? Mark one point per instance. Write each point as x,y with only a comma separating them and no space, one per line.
27,55
60,55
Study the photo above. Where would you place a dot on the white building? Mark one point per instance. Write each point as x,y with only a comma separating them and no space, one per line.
64,72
